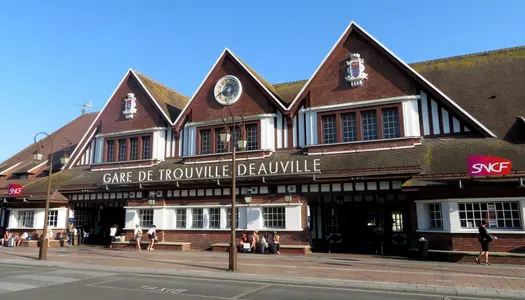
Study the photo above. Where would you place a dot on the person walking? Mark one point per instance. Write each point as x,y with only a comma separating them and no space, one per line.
138,236
484,239
112,234
152,235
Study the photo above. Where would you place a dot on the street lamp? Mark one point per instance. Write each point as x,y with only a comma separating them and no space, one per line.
151,202
241,144
37,156
288,197
248,198
65,157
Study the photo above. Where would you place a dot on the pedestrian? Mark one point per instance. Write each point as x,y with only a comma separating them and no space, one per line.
112,234
152,235
69,233
276,241
484,239
138,236
49,236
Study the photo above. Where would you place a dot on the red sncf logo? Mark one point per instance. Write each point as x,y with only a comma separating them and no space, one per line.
488,166
15,190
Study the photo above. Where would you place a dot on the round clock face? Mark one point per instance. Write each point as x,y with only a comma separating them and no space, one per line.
228,90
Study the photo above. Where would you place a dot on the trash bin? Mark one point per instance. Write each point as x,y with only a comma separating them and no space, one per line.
423,248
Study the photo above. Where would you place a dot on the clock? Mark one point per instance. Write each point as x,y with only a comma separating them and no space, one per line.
228,90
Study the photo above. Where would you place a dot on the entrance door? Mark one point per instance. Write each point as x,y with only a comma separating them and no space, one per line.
110,216
358,226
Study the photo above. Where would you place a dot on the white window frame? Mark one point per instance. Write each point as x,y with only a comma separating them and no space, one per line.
210,218
184,212
53,217
435,215
146,212
269,222
19,218
451,223
193,214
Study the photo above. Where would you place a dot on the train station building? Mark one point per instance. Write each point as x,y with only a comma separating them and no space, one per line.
426,149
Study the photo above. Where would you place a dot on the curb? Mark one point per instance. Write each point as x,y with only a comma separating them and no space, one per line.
478,293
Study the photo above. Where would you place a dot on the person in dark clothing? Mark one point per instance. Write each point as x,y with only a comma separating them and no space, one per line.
484,239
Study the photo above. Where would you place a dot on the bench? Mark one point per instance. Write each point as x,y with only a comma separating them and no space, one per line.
468,256
36,243
178,246
284,249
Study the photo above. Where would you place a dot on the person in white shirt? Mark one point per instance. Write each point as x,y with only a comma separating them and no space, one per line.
152,234
22,237
49,236
112,234
138,236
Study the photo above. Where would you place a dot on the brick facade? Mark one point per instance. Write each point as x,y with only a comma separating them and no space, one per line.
469,242
253,100
385,79
147,116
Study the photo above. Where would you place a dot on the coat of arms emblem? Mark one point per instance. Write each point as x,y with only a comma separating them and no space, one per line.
356,68
130,104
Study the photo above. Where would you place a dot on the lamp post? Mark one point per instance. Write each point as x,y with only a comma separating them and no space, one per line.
241,143
37,156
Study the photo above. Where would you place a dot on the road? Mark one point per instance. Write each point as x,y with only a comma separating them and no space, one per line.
20,282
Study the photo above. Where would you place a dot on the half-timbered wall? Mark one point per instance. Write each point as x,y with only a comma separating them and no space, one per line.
436,120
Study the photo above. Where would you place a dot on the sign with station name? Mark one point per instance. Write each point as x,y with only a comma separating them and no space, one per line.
215,172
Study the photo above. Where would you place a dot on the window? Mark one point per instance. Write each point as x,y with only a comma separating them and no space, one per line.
205,141
146,147
349,127
215,218
197,218
390,123
52,218
111,151
210,141
274,217
23,176
498,214
251,137
436,217
82,217
333,220
134,155
181,218
25,218
229,218
360,125
220,146
146,217
369,125
397,222
138,147
122,150
329,130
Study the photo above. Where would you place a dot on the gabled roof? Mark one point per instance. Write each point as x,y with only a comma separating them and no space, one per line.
411,72
489,85
170,101
22,162
263,83
288,90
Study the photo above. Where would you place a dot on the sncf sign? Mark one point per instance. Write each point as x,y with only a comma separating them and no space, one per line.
15,190
488,166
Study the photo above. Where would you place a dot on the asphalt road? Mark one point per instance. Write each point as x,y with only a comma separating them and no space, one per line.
48,283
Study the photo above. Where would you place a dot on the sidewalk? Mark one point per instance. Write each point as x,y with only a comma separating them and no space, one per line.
356,271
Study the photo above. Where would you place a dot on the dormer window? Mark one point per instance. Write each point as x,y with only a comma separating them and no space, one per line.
128,148
209,141
363,124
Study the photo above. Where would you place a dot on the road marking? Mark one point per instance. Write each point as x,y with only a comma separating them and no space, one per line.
146,291
162,290
252,291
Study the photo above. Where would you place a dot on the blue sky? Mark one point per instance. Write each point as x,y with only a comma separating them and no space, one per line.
56,54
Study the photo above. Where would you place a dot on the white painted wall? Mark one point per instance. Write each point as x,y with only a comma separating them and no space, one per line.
300,117
268,134
450,212
279,136
38,218
250,217
411,118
